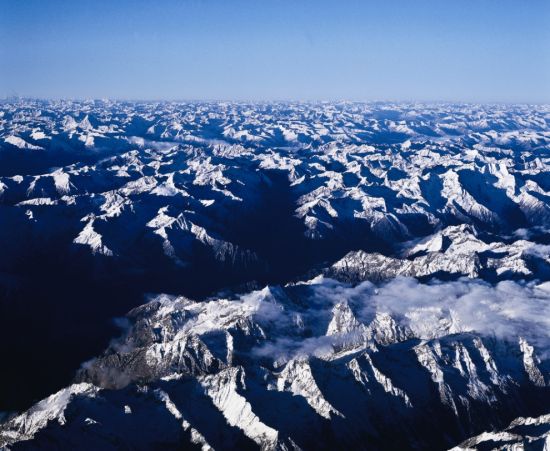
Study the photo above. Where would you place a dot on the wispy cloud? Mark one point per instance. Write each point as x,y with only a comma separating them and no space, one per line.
294,320
508,310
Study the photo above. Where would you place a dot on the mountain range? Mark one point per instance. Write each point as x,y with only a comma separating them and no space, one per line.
274,275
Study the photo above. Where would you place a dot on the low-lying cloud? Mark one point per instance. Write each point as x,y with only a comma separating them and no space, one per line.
508,310
295,319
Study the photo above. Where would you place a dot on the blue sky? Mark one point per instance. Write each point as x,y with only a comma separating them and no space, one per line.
471,50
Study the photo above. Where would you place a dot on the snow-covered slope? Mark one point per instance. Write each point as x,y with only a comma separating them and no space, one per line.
453,251
522,433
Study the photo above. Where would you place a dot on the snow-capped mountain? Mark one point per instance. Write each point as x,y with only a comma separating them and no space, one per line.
343,172
393,262
451,252
315,365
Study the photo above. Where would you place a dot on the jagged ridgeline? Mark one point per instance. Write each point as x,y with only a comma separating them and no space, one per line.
406,248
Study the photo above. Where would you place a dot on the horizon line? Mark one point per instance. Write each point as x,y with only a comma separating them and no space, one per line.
8,98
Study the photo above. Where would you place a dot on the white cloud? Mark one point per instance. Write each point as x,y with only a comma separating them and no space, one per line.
508,311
